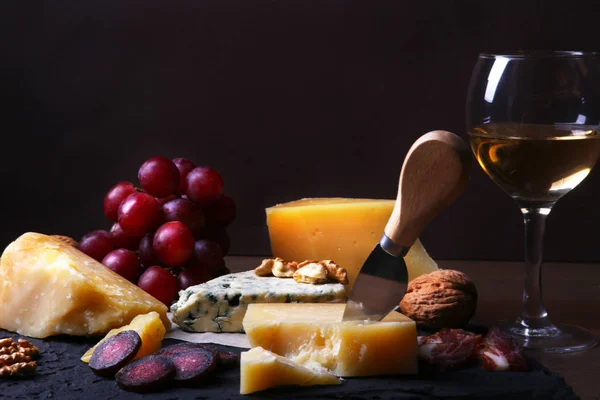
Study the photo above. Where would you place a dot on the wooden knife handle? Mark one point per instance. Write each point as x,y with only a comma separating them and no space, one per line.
434,173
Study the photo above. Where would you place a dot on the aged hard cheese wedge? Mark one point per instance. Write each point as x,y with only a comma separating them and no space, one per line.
261,369
338,229
49,288
219,305
314,335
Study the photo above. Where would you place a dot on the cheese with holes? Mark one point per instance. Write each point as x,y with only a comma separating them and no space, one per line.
313,335
261,369
338,229
219,305
48,287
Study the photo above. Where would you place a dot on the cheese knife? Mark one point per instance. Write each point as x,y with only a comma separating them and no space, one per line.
434,173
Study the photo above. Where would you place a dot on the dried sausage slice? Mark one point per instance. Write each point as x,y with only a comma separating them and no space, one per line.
499,352
147,374
449,348
115,352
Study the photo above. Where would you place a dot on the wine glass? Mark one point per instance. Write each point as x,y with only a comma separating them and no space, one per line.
533,123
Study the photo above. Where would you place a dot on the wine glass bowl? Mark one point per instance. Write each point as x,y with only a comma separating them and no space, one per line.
533,124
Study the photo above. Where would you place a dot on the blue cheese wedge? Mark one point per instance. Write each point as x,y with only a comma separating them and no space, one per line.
219,305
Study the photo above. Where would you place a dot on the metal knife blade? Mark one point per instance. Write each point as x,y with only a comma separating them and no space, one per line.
382,282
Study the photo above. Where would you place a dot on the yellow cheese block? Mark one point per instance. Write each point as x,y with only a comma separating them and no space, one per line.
150,328
314,335
49,288
261,369
338,229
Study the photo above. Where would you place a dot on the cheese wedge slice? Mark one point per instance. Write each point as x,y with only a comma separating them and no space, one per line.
339,229
150,328
314,334
48,287
261,369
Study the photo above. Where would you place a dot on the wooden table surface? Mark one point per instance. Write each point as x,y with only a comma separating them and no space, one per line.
571,295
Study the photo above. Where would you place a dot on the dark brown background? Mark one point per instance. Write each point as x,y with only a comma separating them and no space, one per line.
287,99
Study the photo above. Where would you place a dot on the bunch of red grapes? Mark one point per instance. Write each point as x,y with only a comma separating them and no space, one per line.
169,233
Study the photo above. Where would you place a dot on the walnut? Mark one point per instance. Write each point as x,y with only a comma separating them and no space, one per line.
335,272
9,346
16,357
18,369
284,269
13,358
66,239
277,267
311,272
265,268
28,349
440,299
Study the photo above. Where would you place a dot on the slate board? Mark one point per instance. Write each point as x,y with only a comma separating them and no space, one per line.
61,375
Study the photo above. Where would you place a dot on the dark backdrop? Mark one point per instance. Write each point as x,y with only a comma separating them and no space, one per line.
287,99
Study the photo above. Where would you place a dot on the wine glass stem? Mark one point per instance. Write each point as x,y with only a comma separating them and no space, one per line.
534,317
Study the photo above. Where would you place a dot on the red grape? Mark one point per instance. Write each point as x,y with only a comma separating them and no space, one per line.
185,211
173,243
139,213
158,282
184,166
207,257
146,251
163,200
115,196
191,276
203,185
124,262
159,176
96,244
121,239
221,212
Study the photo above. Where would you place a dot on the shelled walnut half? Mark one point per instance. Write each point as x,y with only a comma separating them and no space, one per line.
311,272
335,272
284,269
16,358
440,299
277,267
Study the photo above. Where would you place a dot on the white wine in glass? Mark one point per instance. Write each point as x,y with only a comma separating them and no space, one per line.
536,163
533,120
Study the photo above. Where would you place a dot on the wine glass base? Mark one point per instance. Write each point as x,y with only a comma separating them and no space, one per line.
558,338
